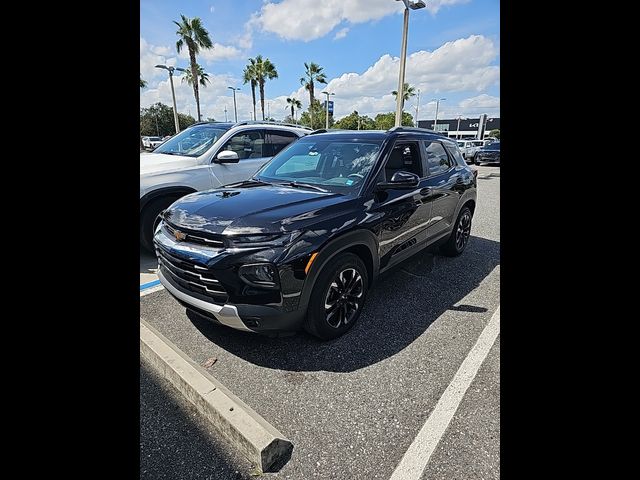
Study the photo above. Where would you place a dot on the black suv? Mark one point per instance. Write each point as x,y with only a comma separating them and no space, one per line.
301,242
488,154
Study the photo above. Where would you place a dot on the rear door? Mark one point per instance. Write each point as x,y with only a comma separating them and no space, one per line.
443,181
278,139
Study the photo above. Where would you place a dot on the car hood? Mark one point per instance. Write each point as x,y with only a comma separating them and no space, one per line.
158,162
255,210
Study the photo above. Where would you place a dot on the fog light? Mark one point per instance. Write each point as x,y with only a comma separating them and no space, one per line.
262,275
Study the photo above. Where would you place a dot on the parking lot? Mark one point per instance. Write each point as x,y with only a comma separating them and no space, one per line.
353,406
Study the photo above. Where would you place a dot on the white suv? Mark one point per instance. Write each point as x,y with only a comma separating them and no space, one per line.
205,156
469,148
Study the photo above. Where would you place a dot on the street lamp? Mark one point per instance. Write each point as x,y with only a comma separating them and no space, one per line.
417,107
235,108
173,93
437,100
327,109
408,4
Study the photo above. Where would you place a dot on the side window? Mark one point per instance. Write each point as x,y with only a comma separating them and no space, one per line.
454,151
277,140
437,158
247,144
405,156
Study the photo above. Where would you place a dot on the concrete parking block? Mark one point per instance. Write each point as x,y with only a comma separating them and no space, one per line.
259,441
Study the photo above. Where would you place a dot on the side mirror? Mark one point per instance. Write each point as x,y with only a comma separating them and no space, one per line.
401,179
227,156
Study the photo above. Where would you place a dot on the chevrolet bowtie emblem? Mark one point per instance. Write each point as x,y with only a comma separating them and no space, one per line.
179,235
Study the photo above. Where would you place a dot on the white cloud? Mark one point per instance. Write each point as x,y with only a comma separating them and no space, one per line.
310,19
341,33
217,53
152,55
458,66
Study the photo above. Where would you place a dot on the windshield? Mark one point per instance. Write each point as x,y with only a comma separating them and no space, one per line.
478,143
493,146
193,141
336,166
154,138
461,144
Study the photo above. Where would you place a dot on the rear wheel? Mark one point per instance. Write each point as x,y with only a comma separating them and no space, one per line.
459,238
338,297
149,219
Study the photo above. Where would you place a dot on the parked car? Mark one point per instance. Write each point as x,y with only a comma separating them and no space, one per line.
155,142
299,244
488,154
205,155
469,148
147,141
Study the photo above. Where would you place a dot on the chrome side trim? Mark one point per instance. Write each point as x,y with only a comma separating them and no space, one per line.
226,314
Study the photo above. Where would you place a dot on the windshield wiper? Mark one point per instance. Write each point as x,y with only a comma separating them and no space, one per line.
304,185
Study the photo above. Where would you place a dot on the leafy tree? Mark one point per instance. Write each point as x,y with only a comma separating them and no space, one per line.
408,92
203,77
143,83
385,121
350,122
315,117
158,120
495,133
264,70
295,104
249,76
313,73
192,34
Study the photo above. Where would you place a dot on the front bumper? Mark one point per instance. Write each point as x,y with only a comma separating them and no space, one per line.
240,316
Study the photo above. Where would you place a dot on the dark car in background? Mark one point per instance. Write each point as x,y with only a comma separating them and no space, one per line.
299,244
488,154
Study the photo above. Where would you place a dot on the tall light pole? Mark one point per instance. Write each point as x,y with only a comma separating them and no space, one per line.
235,108
435,121
327,109
225,114
173,93
408,4
417,107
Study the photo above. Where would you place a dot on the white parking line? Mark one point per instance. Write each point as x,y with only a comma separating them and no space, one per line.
415,459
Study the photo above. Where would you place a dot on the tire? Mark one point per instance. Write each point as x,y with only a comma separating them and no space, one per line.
459,238
327,327
149,220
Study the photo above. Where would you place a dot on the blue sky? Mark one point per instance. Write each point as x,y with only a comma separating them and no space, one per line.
453,53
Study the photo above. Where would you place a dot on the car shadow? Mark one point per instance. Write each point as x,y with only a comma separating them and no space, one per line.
148,262
400,307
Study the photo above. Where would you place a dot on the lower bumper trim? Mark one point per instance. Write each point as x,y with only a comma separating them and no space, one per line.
226,314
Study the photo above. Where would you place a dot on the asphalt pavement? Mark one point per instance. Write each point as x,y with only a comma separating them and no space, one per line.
353,406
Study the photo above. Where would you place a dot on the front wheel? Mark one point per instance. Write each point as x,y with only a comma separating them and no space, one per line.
459,238
338,297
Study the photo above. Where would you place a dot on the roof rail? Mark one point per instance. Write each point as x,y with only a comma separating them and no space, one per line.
320,130
269,122
414,129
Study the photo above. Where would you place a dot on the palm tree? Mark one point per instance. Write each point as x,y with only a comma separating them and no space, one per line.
407,92
264,70
249,76
195,36
143,83
294,103
313,73
203,77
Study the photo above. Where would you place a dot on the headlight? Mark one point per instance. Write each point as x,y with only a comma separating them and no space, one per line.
263,275
267,240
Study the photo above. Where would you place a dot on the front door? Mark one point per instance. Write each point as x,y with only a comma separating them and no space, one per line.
406,212
252,152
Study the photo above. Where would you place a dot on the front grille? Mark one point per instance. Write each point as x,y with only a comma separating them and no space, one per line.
192,277
191,238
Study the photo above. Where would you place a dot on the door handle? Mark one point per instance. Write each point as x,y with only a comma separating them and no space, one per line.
426,191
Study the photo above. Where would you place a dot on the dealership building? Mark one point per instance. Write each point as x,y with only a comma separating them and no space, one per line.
468,128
